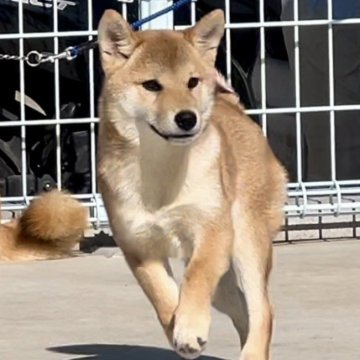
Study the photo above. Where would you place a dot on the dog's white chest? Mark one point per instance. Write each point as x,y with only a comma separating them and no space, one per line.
165,203
174,227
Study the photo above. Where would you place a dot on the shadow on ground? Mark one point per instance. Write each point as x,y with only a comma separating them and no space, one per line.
116,352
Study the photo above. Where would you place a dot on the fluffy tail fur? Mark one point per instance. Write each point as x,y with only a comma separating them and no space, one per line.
48,229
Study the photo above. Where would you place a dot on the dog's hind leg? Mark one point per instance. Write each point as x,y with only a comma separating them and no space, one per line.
252,264
155,278
230,300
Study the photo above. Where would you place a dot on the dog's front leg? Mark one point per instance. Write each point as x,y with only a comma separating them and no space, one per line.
209,262
155,278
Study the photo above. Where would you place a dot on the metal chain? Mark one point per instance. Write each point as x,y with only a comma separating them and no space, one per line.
35,58
12,57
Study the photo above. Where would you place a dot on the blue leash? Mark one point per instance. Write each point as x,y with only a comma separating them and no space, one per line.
137,24
74,51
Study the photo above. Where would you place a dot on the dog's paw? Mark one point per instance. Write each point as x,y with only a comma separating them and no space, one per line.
190,334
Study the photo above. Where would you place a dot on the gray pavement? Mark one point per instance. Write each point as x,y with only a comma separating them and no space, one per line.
91,308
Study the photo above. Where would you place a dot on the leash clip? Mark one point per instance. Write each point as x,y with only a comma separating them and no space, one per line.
35,58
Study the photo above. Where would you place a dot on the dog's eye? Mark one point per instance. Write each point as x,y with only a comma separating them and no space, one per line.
152,85
193,82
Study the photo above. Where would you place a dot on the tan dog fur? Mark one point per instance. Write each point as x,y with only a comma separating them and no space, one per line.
215,198
48,229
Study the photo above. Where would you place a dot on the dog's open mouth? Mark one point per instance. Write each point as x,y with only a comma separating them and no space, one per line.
175,137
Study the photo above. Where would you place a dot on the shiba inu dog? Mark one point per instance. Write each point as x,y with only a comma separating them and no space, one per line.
184,172
48,229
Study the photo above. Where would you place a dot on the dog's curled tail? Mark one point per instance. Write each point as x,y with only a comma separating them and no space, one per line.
49,228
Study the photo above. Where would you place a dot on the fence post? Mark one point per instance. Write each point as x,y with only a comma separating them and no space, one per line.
148,7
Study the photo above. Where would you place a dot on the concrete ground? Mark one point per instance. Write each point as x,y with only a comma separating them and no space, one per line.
91,308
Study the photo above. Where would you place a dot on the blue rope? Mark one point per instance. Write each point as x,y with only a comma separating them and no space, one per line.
137,24
76,50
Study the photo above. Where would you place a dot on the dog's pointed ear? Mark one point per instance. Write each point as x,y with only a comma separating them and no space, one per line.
206,34
116,39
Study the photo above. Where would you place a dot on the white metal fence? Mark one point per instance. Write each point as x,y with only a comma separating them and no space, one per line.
306,99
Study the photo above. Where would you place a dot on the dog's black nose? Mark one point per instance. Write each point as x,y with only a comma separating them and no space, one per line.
185,120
